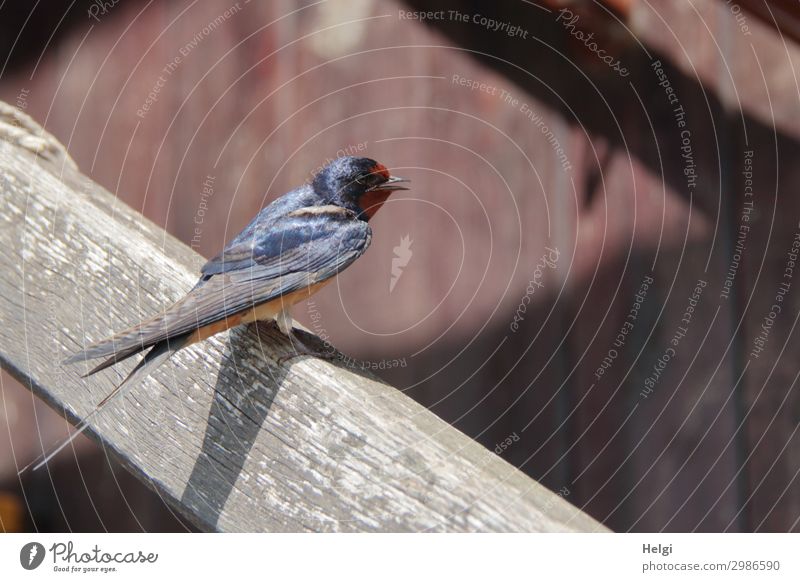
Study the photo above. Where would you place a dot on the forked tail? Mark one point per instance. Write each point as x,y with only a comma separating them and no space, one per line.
159,354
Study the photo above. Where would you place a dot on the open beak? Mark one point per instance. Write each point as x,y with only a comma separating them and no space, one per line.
393,183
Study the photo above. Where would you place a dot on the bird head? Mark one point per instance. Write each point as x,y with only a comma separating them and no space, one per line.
359,184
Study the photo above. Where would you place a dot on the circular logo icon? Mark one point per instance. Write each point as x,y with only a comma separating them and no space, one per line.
31,555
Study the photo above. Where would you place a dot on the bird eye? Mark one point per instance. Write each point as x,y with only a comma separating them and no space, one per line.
362,179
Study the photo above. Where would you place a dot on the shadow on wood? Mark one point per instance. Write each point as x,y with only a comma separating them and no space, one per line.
234,422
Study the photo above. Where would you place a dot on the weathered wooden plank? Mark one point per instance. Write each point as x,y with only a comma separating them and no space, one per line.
235,440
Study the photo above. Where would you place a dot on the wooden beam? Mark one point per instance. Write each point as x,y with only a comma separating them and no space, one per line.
233,439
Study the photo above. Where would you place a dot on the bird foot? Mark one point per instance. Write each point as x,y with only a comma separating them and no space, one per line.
301,349
283,321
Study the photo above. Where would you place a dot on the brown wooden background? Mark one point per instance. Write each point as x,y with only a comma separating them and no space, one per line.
276,88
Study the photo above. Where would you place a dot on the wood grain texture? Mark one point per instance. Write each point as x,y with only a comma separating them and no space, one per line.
234,440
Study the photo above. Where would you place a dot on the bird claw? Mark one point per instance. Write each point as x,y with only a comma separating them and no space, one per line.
301,349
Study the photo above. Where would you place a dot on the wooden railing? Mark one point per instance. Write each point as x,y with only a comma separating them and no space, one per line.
235,440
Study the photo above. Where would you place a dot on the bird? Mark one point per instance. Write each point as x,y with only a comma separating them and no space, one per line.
291,249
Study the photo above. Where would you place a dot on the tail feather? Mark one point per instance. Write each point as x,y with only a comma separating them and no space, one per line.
159,354
115,359
131,340
173,322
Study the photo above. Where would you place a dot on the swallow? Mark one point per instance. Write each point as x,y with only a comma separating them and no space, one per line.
290,250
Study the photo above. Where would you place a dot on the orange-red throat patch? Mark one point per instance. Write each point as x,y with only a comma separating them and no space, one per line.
372,201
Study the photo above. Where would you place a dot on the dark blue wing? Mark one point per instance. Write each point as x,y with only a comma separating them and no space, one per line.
307,239
302,248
